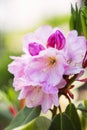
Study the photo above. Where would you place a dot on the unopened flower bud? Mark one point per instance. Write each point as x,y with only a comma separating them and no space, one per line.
56,40
34,48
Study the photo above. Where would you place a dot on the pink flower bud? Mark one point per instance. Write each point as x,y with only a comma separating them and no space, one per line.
56,40
34,48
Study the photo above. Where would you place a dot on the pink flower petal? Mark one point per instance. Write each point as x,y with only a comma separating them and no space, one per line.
35,96
39,36
83,80
75,50
47,67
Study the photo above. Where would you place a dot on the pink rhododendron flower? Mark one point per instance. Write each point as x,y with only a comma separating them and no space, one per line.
17,68
75,50
47,68
48,57
35,96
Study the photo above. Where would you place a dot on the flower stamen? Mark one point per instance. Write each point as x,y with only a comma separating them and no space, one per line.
52,60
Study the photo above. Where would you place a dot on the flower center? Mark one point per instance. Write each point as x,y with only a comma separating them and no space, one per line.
69,61
52,60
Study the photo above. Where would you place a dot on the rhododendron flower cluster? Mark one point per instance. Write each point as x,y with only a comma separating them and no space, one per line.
49,56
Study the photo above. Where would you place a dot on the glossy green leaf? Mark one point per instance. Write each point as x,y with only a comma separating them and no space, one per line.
39,123
71,111
83,108
62,122
24,116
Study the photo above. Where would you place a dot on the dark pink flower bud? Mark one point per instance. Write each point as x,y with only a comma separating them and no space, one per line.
34,48
56,40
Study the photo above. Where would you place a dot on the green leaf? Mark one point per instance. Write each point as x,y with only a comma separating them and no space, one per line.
4,61
85,2
5,118
72,18
85,115
62,122
84,11
24,116
84,20
4,97
72,113
39,123
85,103
75,20
83,108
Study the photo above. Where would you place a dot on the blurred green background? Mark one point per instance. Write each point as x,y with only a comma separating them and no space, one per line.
18,18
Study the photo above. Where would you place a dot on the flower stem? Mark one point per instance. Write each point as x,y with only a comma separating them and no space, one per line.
71,81
54,111
60,109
